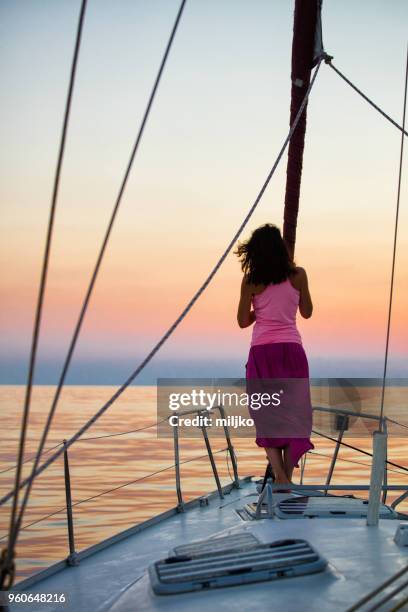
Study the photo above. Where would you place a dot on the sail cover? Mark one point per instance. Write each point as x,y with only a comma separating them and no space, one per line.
307,47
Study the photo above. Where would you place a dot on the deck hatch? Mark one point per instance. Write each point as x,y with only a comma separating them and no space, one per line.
236,541
229,567
330,507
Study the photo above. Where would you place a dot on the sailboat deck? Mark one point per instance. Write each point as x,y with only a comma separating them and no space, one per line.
115,578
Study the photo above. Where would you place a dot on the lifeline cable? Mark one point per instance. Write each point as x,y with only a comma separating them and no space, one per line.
126,484
90,439
359,450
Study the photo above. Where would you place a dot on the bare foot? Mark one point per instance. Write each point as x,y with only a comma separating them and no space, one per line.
283,481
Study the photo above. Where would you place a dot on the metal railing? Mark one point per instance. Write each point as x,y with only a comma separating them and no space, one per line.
73,558
200,412
342,423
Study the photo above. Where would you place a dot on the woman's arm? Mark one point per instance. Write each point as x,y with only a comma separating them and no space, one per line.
305,301
245,315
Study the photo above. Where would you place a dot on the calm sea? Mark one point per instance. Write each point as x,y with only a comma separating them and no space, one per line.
105,463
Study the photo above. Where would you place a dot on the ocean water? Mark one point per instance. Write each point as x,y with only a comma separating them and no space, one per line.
141,458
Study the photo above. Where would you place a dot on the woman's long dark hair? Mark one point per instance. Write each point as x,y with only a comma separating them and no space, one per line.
264,257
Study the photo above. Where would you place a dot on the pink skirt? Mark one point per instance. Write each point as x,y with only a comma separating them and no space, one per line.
281,360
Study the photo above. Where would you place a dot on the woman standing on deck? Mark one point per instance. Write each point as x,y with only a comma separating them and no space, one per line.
275,288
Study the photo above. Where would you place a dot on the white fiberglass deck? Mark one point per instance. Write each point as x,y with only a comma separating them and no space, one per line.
115,578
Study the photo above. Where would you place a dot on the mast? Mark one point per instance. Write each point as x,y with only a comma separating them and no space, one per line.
307,47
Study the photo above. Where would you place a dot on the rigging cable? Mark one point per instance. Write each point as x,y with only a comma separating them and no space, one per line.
13,535
112,435
122,486
184,312
8,556
328,60
394,250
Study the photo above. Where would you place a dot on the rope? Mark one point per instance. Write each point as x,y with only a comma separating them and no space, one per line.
328,60
13,529
176,323
82,501
95,272
394,248
113,435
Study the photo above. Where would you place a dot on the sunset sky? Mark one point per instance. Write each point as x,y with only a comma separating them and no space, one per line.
219,119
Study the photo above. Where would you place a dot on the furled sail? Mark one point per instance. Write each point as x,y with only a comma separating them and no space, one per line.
307,47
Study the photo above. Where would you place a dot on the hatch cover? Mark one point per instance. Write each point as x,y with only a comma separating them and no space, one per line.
230,567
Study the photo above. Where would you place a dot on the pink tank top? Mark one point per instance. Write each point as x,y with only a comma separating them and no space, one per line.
275,312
